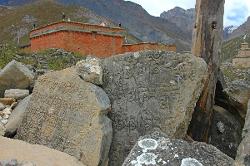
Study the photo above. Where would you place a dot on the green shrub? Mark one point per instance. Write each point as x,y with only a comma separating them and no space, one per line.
7,54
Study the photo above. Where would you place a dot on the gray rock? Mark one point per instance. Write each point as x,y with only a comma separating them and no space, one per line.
14,162
225,131
16,93
239,91
69,114
23,154
15,75
4,122
90,70
243,153
2,129
238,86
16,116
2,106
150,90
7,111
158,149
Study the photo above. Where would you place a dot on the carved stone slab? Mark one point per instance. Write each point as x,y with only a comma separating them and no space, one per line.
150,90
68,114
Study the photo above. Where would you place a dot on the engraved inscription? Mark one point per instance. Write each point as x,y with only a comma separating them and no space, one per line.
145,92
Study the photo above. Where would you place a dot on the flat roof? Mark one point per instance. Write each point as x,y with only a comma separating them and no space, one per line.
78,23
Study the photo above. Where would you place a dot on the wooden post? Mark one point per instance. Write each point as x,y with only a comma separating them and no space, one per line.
207,42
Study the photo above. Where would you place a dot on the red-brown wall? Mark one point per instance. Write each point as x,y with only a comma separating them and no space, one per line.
82,42
93,44
87,39
52,40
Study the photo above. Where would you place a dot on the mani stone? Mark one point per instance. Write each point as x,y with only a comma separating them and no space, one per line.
150,90
16,93
243,153
90,70
37,154
158,149
15,75
68,114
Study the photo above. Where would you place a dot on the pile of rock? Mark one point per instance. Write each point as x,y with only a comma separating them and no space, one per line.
12,108
70,112
15,82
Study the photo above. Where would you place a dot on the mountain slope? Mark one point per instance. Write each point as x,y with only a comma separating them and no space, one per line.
232,44
137,21
182,18
20,20
241,30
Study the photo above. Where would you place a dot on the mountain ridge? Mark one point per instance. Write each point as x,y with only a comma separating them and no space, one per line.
181,18
134,18
20,20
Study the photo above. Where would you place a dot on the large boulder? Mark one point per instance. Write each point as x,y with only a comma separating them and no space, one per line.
243,154
15,75
90,70
158,149
16,117
225,131
150,90
238,86
36,154
69,114
239,91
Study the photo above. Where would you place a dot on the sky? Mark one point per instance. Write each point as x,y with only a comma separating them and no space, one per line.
236,11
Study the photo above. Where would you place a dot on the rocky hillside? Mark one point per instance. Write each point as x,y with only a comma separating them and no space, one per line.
20,20
227,31
182,18
241,30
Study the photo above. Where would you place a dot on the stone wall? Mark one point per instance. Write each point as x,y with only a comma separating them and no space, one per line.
85,43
